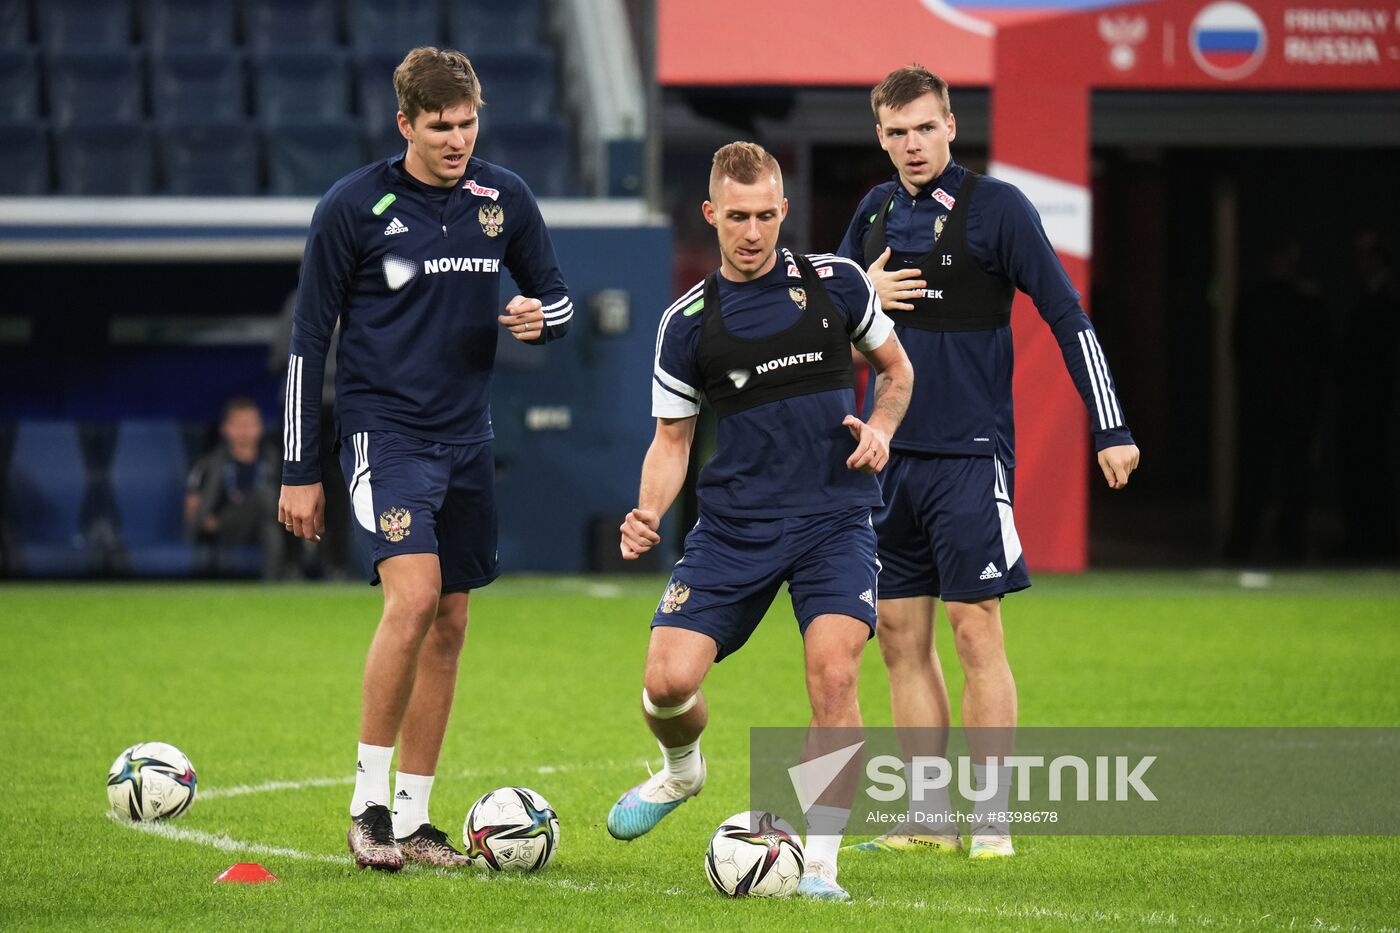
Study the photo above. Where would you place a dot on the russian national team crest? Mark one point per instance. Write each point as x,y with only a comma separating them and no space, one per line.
492,219
1228,40
676,595
799,297
394,523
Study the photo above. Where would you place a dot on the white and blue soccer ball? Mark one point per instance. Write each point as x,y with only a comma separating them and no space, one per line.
511,829
755,854
151,781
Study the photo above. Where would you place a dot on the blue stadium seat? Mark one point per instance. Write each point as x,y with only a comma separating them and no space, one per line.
374,88
83,24
187,25
24,159
210,159
518,86
46,483
495,25
197,86
148,486
16,31
290,24
19,84
295,87
540,152
305,159
98,85
105,158
394,26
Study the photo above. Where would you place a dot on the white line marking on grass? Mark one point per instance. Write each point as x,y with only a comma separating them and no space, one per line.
226,843
267,787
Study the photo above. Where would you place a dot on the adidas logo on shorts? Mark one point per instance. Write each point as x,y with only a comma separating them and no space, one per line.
395,226
991,573
868,597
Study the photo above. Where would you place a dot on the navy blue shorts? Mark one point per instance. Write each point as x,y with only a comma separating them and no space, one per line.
412,496
946,529
732,568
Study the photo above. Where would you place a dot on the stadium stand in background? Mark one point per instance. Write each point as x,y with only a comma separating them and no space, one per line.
250,97
159,163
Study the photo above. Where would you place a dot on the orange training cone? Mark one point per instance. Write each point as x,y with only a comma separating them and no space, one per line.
245,873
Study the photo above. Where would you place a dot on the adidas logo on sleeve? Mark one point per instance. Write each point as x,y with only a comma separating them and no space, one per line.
395,226
991,573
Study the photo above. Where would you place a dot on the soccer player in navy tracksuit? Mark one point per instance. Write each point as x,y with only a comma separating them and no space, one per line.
946,249
787,496
406,253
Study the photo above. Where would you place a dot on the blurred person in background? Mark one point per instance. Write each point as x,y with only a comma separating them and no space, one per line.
947,249
406,254
231,498
1279,385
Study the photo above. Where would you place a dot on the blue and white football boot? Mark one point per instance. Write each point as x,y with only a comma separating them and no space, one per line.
638,811
819,883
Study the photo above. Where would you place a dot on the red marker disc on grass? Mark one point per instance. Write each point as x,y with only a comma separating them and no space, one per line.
245,873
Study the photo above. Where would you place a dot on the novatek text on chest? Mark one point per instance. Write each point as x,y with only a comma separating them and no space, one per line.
796,359
461,264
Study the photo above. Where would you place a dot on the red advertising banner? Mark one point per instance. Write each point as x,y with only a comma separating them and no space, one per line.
1221,45
816,42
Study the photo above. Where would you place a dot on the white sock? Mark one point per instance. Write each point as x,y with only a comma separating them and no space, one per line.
371,777
410,802
825,827
683,762
929,817
997,803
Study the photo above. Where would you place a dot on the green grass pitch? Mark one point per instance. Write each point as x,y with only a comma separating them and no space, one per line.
261,684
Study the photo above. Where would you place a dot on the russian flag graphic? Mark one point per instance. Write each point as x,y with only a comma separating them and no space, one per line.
1227,40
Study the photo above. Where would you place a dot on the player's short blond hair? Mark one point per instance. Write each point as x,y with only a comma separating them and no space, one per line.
430,80
746,163
903,86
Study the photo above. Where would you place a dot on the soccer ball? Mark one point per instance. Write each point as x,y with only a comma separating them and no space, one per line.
151,781
511,829
755,854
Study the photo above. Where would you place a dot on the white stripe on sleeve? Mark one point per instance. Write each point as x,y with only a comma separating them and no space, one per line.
1093,380
297,424
291,414
1116,413
663,381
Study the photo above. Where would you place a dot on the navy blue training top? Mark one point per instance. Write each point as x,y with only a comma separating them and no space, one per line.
786,457
962,380
412,274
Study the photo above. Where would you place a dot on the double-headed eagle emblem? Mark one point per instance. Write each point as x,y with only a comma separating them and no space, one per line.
492,219
394,523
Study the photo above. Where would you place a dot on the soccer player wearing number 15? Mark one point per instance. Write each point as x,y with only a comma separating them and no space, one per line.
947,249
406,253
766,341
